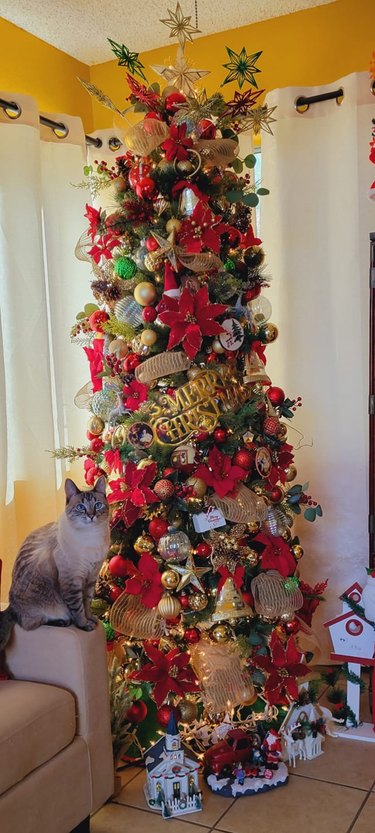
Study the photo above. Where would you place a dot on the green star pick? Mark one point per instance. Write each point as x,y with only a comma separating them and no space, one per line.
127,59
241,67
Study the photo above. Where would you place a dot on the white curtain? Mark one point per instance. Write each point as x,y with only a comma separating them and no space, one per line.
42,287
315,229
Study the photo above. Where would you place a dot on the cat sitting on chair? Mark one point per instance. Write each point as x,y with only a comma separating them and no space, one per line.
57,566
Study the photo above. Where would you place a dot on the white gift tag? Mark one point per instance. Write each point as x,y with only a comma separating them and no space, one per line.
211,518
233,336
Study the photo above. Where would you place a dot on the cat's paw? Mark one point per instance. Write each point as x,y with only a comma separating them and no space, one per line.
93,618
88,626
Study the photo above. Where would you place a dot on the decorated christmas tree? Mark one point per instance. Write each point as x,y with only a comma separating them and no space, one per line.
201,589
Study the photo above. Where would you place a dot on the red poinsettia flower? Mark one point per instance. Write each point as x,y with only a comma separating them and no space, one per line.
95,357
312,596
259,349
237,576
134,394
283,668
103,248
145,580
94,217
178,144
113,460
191,317
220,473
144,94
202,230
276,554
284,459
133,491
169,672
248,239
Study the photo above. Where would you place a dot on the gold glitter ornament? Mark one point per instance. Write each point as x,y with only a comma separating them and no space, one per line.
269,332
197,484
286,535
170,579
169,606
144,543
290,473
193,372
297,551
251,556
282,431
173,225
95,425
188,710
221,633
198,601
253,527
257,388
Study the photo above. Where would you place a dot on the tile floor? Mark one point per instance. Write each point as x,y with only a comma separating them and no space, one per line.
334,793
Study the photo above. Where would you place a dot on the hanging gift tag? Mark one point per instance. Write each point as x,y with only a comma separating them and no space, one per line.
233,337
211,518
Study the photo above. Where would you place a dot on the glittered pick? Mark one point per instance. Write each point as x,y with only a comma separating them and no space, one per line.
260,118
181,74
179,25
100,96
127,59
242,67
242,103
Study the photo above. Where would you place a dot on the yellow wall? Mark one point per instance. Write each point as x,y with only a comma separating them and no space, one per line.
315,46
29,65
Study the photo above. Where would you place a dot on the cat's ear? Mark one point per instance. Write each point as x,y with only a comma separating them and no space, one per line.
70,489
100,485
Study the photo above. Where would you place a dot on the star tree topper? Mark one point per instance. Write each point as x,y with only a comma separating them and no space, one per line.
181,74
179,25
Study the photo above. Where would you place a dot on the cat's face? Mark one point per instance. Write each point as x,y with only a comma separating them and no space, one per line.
86,509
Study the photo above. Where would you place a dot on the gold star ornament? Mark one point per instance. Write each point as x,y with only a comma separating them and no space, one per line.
179,25
181,74
259,118
190,574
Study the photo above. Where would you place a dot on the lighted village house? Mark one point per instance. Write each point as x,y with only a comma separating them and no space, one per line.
353,640
171,776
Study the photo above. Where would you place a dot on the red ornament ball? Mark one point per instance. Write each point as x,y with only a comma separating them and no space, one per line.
137,172
250,294
167,472
276,494
118,566
97,319
115,592
163,714
247,597
157,527
146,188
271,426
96,444
276,396
151,244
203,550
131,362
243,458
192,636
137,712
220,435
149,314
207,129
292,627
184,601
164,489
172,101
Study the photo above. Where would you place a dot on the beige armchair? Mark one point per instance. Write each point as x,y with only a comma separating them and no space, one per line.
55,740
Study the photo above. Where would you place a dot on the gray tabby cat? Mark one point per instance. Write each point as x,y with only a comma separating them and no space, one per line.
57,566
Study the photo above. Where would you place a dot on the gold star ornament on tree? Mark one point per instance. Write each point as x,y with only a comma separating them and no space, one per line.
190,574
242,67
179,25
181,74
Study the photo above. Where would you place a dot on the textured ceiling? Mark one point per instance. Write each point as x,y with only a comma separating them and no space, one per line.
80,27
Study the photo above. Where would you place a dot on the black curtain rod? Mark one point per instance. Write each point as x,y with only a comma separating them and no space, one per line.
60,130
302,103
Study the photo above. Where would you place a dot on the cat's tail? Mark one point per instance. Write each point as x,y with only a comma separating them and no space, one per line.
7,621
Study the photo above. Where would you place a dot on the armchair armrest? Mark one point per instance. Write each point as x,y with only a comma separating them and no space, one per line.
74,660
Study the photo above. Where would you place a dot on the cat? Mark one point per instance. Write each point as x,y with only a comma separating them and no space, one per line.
57,566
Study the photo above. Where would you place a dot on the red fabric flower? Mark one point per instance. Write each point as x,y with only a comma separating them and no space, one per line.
134,394
133,491
220,474
202,229
94,217
237,576
145,580
248,239
191,317
169,672
113,460
284,458
259,349
176,147
103,248
312,596
95,357
283,667
276,554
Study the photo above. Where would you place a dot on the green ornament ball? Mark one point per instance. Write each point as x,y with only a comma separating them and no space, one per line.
230,265
109,632
125,267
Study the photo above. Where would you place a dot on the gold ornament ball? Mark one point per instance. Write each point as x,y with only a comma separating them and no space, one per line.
95,425
257,388
269,332
297,551
169,606
173,225
170,579
221,633
188,711
148,337
184,166
138,347
252,557
253,527
286,535
248,698
217,346
119,436
196,483
193,372
144,543
198,601
282,432
145,293
118,347
290,473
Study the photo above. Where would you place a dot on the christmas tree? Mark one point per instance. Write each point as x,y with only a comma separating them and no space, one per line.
201,589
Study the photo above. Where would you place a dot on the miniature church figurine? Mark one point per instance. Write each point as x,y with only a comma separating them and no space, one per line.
172,785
